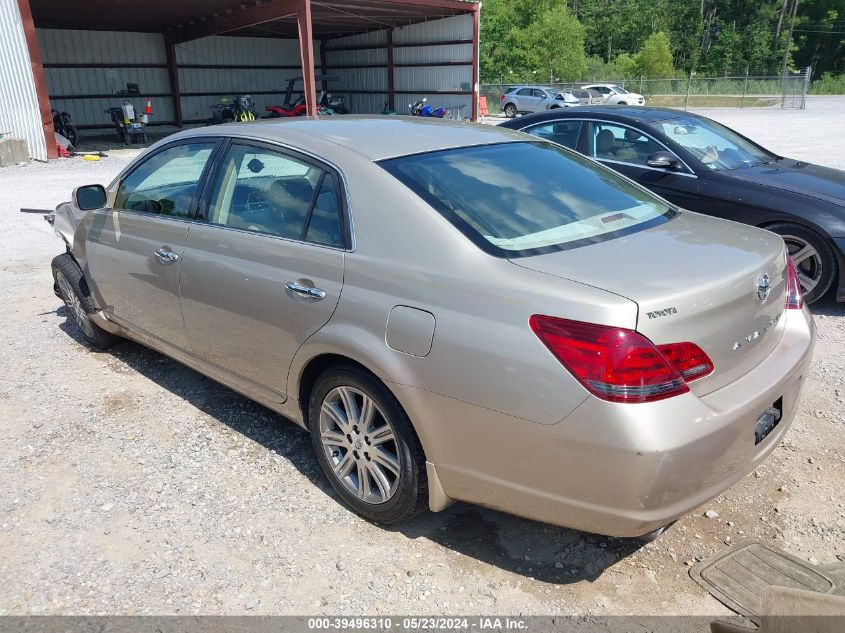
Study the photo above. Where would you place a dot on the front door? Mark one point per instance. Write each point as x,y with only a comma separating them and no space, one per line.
626,150
264,270
134,246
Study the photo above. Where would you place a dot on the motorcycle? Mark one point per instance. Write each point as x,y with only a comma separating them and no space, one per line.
239,108
420,108
63,126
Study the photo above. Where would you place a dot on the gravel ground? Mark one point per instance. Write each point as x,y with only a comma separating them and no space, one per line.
133,485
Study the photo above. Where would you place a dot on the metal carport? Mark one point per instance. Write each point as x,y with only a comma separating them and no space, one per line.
184,53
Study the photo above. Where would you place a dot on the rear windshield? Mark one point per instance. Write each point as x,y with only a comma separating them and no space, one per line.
521,199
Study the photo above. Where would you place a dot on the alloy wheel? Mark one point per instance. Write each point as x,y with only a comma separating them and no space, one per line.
808,262
360,444
74,305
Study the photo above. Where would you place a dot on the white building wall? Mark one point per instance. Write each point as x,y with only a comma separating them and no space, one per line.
84,91
265,85
20,115
233,66
413,82
222,66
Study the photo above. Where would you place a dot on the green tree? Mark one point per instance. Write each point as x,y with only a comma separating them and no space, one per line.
654,59
626,65
554,44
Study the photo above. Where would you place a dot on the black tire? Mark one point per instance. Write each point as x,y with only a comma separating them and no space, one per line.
822,270
510,111
410,495
71,135
81,304
621,103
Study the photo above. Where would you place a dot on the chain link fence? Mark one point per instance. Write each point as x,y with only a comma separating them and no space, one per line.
787,91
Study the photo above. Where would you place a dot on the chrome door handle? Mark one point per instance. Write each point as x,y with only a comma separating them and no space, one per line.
305,291
165,257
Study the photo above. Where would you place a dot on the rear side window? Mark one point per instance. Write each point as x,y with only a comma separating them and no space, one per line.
520,199
621,143
561,132
276,194
166,183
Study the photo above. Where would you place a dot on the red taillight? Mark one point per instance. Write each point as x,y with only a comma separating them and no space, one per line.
794,298
613,363
688,359
618,364
501,98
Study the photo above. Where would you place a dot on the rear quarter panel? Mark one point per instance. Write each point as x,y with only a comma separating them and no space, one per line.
483,350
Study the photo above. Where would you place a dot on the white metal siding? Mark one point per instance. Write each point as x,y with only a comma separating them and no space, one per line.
64,46
423,80
241,51
202,87
20,115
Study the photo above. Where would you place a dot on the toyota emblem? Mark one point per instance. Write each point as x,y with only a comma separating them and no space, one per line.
764,287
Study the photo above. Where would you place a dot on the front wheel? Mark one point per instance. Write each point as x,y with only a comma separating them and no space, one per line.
510,111
621,103
813,258
70,285
366,446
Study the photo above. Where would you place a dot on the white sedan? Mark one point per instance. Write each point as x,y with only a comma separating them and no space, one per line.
616,95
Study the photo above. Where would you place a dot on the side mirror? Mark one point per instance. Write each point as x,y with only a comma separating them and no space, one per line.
89,197
664,160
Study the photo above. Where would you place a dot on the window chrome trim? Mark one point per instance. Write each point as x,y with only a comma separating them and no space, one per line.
648,167
271,236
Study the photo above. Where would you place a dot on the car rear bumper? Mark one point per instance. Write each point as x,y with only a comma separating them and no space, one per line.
609,468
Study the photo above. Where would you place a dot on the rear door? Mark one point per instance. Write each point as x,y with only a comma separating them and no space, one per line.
626,149
525,100
134,246
263,266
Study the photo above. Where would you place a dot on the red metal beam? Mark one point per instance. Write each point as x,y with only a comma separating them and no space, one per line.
38,78
476,39
173,75
246,17
455,5
306,53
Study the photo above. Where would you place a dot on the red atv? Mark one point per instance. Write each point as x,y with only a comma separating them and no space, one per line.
297,109
327,104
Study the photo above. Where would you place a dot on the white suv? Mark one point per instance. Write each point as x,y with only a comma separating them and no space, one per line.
616,95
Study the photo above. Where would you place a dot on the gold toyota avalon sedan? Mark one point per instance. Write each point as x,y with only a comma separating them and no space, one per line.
454,312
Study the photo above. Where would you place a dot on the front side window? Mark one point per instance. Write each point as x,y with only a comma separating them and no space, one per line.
528,198
273,193
166,183
716,146
618,90
561,132
621,143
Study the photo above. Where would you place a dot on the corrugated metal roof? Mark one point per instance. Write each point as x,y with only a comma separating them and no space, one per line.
20,115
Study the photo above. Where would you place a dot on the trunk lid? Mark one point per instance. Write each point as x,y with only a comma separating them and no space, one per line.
694,279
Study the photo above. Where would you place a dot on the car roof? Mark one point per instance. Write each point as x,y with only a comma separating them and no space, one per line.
374,137
537,86
632,114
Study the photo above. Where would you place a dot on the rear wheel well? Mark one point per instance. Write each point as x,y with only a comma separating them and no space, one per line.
318,365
